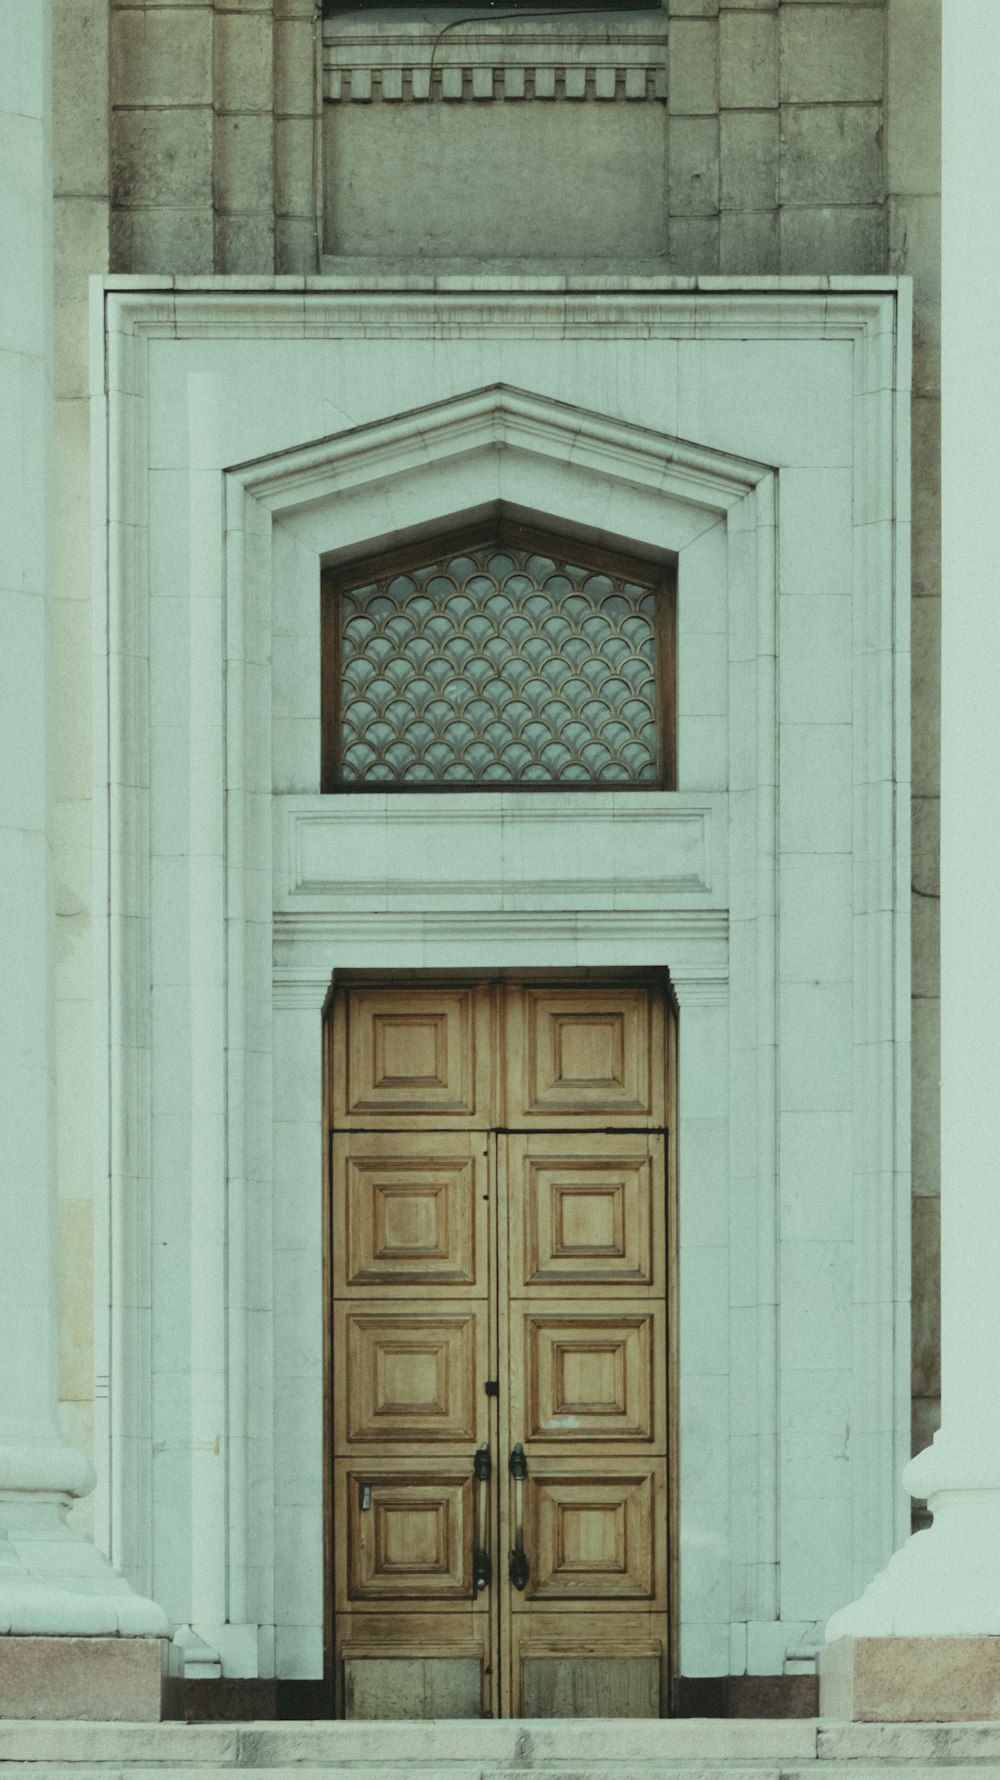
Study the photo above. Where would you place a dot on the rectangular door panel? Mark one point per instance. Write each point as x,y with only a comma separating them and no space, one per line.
415,1665
592,1531
594,1663
586,1211
414,1056
409,1377
584,1056
591,1686
415,1687
587,1375
410,1214
407,1533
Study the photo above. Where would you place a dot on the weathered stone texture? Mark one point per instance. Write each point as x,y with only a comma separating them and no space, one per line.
148,240
694,242
926,1137
926,424
694,73
162,58
80,117
831,154
243,77
926,1291
243,156
694,166
850,237
830,53
162,158
748,73
926,678
914,228
913,155
925,845
107,1679
748,156
749,241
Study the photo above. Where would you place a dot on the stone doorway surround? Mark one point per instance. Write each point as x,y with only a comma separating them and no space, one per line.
251,432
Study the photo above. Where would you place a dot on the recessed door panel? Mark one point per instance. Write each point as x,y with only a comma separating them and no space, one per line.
410,1533
409,1376
414,1057
412,1687
584,1057
586,1375
586,1212
561,1685
410,1216
593,1531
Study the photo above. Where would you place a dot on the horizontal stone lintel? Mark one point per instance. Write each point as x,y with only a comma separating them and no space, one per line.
475,80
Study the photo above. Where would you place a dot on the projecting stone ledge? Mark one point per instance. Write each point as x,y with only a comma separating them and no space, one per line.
910,1680
110,1679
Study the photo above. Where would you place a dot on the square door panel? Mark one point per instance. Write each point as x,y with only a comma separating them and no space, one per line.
413,1540
409,1376
413,1055
409,1212
586,1211
591,1534
597,1374
586,1055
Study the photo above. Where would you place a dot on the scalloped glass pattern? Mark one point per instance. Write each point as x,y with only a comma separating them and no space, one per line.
498,665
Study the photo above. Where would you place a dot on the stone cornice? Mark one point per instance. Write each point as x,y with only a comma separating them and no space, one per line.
396,59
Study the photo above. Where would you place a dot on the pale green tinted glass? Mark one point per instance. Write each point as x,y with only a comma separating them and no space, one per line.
498,665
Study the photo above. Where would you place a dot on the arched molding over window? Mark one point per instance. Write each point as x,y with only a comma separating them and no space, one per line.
501,655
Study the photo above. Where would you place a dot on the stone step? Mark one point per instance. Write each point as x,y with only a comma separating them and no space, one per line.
700,1749
680,1770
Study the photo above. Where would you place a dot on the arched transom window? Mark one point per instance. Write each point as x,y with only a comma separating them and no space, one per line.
499,656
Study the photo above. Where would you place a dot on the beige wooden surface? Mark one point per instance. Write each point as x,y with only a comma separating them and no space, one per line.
532,1255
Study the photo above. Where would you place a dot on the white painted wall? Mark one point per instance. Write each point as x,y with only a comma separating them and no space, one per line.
761,435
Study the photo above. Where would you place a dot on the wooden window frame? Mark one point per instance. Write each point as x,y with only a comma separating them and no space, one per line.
659,578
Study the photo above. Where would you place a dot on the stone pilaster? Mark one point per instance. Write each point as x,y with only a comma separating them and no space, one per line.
53,1582
945,1582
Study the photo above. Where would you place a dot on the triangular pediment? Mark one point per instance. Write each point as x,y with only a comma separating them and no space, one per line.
500,419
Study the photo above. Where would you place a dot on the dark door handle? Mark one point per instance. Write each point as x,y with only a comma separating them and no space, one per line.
482,1471
519,1567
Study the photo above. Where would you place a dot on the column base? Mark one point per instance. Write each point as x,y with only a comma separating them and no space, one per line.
910,1680
112,1679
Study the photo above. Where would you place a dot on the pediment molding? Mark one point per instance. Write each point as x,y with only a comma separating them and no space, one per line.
494,419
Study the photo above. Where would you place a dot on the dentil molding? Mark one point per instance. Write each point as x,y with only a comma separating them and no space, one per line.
590,56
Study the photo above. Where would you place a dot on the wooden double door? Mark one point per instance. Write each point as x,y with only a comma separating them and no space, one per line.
500,1162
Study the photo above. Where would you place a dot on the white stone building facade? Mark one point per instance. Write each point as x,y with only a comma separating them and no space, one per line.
291,314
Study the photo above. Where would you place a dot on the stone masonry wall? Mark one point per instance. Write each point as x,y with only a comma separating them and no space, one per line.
213,135
801,138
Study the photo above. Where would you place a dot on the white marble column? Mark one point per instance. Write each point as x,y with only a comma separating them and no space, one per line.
52,1580
945,1582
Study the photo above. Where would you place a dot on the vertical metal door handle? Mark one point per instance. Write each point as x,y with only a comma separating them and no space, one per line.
519,1568
482,1471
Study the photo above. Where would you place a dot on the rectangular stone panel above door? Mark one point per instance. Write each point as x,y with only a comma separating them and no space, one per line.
500,138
